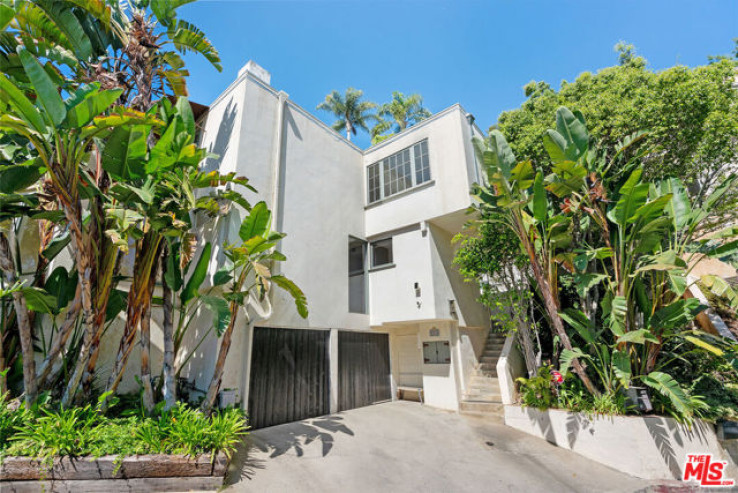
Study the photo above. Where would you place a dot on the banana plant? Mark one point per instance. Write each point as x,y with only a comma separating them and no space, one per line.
516,196
63,134
251,281
638,249
162,185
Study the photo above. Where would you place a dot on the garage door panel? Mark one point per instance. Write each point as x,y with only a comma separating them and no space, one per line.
363,369
289,376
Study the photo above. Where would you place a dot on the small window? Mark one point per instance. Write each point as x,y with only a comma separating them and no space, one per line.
382,252
357,276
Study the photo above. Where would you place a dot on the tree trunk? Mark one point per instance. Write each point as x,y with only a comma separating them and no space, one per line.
104,287
24,323
65,330
145,341
3,378
349,129
169,388
553,312
146,254
85,266
225,346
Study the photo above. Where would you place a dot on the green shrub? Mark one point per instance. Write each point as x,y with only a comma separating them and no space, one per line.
537,391
46,432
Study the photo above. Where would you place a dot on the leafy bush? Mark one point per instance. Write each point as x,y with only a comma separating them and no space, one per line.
537,391
47,432
542,393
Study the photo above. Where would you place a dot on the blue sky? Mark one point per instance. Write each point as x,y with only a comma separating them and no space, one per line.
478,53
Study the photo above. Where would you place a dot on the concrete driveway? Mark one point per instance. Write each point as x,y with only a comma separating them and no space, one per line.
406,447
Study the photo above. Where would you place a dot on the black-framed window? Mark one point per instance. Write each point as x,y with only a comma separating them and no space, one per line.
402,170
382,252
357,276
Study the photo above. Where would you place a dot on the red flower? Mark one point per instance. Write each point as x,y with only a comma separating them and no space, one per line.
557,377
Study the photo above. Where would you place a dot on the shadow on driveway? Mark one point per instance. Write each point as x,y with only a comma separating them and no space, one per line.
281,439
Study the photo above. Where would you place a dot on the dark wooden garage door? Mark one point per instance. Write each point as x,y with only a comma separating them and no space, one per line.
289,376
363,369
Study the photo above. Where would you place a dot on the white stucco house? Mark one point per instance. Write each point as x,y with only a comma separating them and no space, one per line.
369,242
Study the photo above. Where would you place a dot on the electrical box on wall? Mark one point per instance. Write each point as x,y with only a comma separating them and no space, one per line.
437,353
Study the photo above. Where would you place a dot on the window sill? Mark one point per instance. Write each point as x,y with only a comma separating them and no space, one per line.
382,267
407,191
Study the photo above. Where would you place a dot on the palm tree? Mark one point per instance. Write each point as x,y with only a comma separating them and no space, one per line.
351,111
404,111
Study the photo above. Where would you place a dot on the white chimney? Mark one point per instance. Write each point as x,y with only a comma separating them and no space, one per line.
257,71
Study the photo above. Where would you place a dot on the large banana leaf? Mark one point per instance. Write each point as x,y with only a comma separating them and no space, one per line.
677,314
669,387
257,223
633,195
24,109
218,307
571,127
198,275
46,90
294,291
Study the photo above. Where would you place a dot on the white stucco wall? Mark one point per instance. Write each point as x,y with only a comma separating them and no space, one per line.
392,295
315,181
449,190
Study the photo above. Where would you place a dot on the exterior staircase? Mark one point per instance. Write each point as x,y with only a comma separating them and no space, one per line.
482,395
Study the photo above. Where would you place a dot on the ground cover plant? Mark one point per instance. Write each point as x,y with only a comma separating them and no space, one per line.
46,430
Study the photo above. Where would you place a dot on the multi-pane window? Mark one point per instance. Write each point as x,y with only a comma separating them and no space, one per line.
374,184
422,166
405,169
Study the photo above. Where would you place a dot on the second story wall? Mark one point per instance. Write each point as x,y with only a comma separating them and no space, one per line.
321,204
450,162
310,177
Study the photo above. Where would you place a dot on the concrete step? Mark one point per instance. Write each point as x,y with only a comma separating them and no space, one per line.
481,407
481,396
486,369
483,380
491,353
489,360
493,345
489,386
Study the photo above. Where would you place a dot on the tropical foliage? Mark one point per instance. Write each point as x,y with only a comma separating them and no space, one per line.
690,114
44,431
610,256
99,172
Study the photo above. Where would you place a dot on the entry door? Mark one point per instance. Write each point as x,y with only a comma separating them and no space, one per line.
363,369
409,361
289,376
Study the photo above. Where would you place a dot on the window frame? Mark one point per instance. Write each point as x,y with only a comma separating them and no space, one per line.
372,245
394,171
363,272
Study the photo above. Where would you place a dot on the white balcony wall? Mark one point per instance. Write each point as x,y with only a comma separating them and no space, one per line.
450,161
